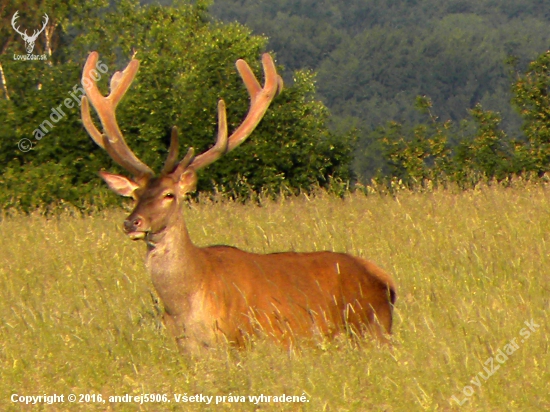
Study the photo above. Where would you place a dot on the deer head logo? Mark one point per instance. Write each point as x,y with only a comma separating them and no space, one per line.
29,40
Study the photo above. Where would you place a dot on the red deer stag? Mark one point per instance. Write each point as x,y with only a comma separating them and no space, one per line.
221,293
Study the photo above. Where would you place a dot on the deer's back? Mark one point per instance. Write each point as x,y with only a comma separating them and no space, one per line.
296,294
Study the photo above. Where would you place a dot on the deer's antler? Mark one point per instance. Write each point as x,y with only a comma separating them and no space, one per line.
112,140
260,99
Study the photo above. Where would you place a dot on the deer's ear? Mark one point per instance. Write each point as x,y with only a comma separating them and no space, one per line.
187,181
119,184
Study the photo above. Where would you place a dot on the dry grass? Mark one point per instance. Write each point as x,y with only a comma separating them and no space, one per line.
78,314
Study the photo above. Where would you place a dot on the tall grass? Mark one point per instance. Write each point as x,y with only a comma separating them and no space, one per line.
79,313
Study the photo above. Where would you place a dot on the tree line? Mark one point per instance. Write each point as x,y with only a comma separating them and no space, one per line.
409,91
374,57
187,63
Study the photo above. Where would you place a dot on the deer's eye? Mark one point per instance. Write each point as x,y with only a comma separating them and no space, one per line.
169,195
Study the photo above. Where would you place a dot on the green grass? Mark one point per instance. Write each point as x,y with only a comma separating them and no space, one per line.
79,314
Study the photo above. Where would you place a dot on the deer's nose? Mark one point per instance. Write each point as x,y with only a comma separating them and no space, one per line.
133,223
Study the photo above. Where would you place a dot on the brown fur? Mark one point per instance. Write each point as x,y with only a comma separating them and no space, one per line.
221,293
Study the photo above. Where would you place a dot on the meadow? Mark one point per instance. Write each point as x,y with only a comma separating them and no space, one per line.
80,315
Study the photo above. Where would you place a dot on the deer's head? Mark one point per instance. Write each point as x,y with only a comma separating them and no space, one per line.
158,197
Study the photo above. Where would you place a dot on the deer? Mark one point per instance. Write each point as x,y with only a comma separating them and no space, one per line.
218,294
29,40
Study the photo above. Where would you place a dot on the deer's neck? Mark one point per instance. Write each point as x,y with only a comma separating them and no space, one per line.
173,262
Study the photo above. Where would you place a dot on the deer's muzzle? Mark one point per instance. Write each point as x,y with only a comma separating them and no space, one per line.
135,228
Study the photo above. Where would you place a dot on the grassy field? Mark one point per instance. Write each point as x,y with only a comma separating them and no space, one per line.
79,314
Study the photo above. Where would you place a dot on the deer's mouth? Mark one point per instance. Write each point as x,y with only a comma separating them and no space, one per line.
145,234
137,235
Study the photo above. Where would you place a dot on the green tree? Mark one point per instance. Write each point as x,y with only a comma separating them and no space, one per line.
439,151
531,97
186,65
374,57
487,154
421,154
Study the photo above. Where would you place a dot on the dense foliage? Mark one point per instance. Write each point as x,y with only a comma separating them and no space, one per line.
532,100
477,149
374,57
186,65
460,63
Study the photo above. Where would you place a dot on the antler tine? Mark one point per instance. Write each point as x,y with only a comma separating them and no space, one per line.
89,124
260,99
249,79
186,161
123,161
221,146
105,108
172,159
